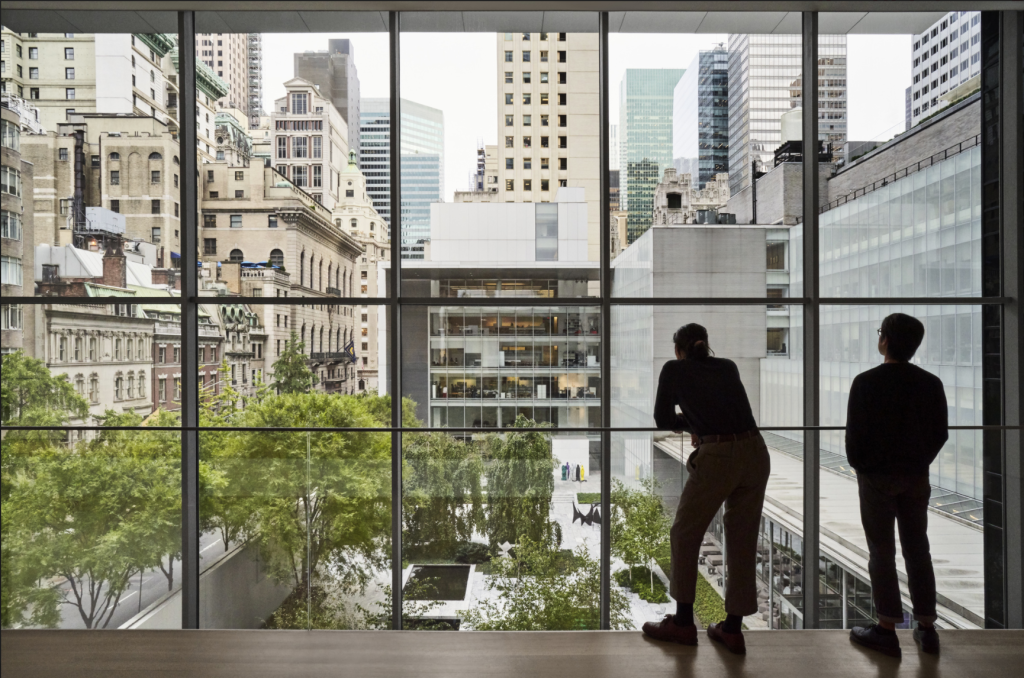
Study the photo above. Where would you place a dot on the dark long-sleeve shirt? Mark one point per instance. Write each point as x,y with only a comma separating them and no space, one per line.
709,393
897,419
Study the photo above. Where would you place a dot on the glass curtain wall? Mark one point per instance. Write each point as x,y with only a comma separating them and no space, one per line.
444,236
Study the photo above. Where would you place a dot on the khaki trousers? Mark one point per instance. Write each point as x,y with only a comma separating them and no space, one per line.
735,473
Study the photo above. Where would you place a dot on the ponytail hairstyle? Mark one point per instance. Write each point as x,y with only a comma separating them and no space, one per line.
692,341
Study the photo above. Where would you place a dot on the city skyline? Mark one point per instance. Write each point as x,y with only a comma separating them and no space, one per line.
878,74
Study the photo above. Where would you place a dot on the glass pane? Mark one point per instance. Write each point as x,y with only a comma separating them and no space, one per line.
649,469
294,194
527,224
951,350
902,213
481,510
91,176
297,525
694,118
91,522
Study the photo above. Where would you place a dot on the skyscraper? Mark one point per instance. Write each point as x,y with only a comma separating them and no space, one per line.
947,63
422,165
237,58
700,117
645,140
334,71
764,83
548,120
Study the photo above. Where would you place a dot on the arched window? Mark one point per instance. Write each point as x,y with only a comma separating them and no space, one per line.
118,388
330,267
355,224
277,258
303,335
302,268
131,386
155,156
320,275
236,257
344,280
114,156
94,388
337,277
322,339
176,160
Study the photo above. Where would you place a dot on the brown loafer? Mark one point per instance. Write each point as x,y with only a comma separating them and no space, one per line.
733,641
668,631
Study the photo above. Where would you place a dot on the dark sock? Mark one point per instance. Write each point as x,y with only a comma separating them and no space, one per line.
684,615
733,623
883,631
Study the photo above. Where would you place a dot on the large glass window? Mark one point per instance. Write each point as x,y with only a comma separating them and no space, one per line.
535,311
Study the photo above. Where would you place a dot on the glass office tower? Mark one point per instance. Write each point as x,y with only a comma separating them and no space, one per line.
645,140
422,165
700,117
764,83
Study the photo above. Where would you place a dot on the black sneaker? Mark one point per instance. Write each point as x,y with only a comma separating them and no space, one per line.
869,637
928,638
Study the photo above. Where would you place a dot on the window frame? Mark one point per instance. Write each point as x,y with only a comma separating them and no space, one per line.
393,305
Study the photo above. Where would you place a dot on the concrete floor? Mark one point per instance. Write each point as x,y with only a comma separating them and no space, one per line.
284,654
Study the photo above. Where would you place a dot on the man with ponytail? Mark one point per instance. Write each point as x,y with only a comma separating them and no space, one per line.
730,465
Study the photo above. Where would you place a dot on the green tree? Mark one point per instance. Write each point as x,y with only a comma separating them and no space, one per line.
291,373
541,589
29,396
442,497
95,516
623,542
640,526
319,502
520,482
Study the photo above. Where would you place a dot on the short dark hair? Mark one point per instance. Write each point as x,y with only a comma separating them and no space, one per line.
904,334
692,340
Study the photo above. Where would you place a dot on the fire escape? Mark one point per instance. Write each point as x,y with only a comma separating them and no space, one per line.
255,72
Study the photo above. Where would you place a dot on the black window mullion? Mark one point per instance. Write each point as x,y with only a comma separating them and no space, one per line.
189,323
811,318
395,317
606,350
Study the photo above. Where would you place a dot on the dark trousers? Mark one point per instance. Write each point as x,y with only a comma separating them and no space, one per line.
901,499
735,473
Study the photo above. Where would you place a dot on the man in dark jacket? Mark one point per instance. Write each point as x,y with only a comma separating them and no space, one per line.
895,426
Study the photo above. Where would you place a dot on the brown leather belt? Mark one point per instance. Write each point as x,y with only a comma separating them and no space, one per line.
728,437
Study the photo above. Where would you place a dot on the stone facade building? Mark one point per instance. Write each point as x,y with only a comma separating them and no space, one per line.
677,200
291,247
547,120
310,141
129,165
355,213
16,188
334,72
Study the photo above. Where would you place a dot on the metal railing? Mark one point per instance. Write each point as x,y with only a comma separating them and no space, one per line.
905,172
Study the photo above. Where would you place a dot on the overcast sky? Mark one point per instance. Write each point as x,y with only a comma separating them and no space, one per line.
459,71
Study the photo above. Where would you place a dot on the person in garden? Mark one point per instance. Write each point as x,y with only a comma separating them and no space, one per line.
730,464
896,424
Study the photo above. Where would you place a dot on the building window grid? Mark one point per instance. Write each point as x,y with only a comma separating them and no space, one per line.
93,382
